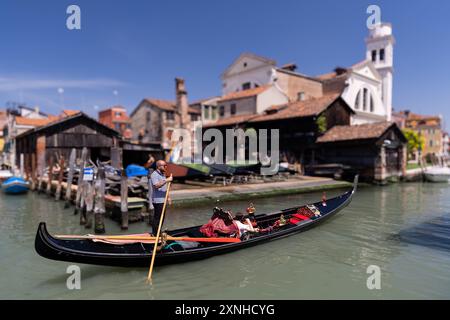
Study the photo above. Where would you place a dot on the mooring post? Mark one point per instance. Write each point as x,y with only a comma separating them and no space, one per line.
50,175
33,171
124,199
60,178
83,188
68,195
21,165
80,181
41,175
89,203
99,208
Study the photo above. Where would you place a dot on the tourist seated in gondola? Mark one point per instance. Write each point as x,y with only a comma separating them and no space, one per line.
220,225
244,225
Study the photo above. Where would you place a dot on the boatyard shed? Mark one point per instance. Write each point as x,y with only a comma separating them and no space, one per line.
376,150
59,137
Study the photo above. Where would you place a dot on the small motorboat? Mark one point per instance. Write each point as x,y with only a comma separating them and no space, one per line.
5,174
15,185
437,174
78,249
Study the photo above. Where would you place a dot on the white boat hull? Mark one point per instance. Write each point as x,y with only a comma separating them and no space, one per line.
436,177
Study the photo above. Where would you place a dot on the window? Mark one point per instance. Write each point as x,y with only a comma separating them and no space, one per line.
372,106
256,85
194,117
301,96
213,113
221,111
233,108
364,99
117,126
147,116
358,100
170,115
118,114
246,86
374,55
431,143
382,55
245,64
206,112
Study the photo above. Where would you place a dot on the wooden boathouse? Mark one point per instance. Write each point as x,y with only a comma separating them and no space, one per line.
40,144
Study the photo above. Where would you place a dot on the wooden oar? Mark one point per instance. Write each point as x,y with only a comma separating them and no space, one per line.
139,238
149,277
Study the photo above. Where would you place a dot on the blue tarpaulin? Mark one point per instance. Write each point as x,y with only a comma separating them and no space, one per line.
134,170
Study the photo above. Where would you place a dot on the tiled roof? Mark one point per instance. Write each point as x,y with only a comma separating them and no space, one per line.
298,109
356,132
244,93
234,120
22,121
168,105
69,113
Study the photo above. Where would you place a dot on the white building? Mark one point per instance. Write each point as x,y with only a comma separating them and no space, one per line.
365,86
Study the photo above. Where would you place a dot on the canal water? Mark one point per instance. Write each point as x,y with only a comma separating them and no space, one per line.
404,229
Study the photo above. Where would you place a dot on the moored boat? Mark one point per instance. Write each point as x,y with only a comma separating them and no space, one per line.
4,175
138,253
15,185
437,174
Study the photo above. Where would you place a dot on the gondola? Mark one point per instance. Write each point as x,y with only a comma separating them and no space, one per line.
139,254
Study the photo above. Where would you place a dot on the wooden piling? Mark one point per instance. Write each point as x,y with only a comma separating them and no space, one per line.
60,178
80,181
99,208
82,208
50,175
41,176
89,200
22,165
124,199
33,171
68,195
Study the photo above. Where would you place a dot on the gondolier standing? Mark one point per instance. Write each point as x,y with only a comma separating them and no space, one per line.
159,186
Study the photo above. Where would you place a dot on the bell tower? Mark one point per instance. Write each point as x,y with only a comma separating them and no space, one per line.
380,50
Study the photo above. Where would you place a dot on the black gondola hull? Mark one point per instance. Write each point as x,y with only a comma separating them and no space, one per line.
139,255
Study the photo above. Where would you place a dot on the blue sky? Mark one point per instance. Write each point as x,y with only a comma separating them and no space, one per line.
139,47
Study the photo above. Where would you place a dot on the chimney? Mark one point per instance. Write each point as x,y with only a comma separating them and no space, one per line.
182,102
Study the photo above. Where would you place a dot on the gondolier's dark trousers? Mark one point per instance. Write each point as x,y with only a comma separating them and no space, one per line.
156,216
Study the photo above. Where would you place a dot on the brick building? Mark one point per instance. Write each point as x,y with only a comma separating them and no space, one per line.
154,120
116,118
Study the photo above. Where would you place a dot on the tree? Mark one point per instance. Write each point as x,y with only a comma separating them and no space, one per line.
321,123
415,141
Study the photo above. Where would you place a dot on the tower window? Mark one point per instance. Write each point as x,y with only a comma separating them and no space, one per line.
364,99
382,55
233,108
357,101
374,55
